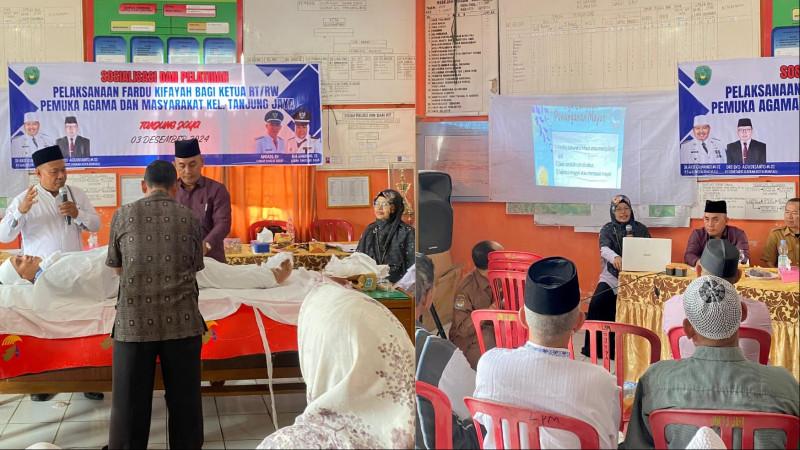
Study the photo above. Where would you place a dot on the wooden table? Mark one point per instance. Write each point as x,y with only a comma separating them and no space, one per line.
640,303
310,261
400,305
4,256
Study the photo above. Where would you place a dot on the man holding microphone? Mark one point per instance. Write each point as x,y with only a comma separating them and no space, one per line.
50,216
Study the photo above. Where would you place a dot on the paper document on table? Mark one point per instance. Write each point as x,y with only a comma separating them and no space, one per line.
347,247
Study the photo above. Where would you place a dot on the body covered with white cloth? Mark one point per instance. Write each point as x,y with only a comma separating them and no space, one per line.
75,292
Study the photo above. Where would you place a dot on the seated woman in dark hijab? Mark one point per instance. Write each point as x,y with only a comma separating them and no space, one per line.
604,301
389,240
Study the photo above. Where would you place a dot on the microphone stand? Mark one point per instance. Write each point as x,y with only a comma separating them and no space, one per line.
438,322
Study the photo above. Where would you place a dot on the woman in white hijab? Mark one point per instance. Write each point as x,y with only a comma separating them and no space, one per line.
358,365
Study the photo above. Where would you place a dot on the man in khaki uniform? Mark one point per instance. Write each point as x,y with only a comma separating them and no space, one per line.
790,233
474,292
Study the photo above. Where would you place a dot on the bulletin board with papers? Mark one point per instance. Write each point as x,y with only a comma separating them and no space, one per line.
101,188
575,46
460,80
40,31
754,201
365,48
367,138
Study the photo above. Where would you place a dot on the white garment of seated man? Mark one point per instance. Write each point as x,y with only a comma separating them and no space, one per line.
546,379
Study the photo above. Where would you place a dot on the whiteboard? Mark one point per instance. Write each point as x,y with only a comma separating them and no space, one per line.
461,149
460,84
40,31
367,138
572,46
757,201
365,48
101,188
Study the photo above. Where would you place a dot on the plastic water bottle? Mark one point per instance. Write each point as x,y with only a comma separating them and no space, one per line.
290,228
783,256
91,242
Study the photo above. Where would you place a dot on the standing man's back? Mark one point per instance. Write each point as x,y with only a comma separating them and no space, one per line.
158,243
156,247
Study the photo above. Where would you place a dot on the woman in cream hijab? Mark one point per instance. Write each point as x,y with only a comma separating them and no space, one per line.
358,365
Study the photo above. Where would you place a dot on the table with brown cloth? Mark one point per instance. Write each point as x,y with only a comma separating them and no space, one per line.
302,258
640,302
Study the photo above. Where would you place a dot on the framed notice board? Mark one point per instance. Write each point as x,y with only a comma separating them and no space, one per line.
163,31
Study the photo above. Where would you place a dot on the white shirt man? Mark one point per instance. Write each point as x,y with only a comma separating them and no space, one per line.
302,142
32,139
703,149
540,375
40,216
272,142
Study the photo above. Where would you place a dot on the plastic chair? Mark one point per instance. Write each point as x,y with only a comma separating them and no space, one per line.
508,288
512,260
328,230
255,227
725,421
509,330
442,413
762,337
619,329
534,419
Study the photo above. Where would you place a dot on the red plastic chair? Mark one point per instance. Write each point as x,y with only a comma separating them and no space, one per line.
329,230
762,337
255,227
535,419
509,330
512,260
725,421
442,413
508,288
619,329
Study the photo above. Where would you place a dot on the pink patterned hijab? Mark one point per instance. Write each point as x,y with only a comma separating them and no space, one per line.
358,364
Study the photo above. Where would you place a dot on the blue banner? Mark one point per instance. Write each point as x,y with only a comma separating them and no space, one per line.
739,117
127,115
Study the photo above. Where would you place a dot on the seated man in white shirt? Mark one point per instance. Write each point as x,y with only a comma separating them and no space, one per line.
720,258
540,375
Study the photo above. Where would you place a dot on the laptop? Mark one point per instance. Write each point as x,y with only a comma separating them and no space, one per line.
646,254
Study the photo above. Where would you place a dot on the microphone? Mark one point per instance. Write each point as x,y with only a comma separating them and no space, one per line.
628,230
63,193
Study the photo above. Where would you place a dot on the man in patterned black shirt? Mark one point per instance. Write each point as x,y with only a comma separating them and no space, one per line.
156,247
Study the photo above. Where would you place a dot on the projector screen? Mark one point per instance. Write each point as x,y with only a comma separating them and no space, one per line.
586,149
578,147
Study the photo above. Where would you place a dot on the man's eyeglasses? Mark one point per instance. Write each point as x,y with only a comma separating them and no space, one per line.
791,213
